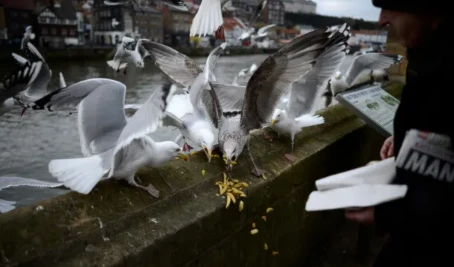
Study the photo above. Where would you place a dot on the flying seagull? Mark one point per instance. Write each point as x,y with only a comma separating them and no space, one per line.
267,85
299,110
124,55
369,61
14,85
208,20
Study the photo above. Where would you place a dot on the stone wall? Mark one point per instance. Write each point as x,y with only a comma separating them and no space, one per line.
189,225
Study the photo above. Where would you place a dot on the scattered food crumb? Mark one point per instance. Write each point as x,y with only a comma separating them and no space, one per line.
263,176
268,210
230,189
254,231
264,218
265,246
203,172
253,225
195,196
39,208
275,253
154,220
241,206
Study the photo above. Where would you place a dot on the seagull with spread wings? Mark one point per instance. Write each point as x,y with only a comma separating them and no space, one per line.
196,126
369,61
16,84
267,85
184,71
38,88
123,55
299,110
112,145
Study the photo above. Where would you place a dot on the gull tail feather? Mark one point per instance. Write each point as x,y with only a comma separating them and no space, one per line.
6,206
208,18
307,120
78,174
115,64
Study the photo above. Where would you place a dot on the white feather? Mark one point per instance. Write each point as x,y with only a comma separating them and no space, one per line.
307,120
78,174
208,18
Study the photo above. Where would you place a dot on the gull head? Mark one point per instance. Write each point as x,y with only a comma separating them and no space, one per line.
140,64
338,75
278,116
231,149
167,150
207,141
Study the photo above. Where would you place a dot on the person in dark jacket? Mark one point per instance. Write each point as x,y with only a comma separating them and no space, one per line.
420,225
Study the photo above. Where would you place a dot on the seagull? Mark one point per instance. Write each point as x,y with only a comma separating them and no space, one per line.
115,23
178,4
245,73
183,71
16,83
39,86
369,61
249,27
208,20
196,126
263,31
267,85
112,146
123,55
28,35
13,181
299,110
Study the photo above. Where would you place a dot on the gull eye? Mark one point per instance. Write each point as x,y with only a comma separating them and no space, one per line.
177,150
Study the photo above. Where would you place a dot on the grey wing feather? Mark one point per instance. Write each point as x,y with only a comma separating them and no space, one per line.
172,120
274,76
19,80
14,181
180,68
101,114
20,60
6,205
145,121
39,86
230,96
306,91
142,51
370,61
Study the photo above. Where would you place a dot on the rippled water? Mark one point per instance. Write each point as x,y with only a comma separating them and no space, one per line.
28,143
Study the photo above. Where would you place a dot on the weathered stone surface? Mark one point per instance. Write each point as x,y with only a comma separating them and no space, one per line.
118,225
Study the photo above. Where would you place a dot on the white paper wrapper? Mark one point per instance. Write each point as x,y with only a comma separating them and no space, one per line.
357,196
381,172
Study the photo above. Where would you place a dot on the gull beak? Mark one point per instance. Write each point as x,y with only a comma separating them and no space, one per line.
207,153
273,122
183,156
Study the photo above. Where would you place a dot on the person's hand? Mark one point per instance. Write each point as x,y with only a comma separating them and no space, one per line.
387,150
363,215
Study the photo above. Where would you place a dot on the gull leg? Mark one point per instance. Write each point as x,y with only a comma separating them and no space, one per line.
256,171
290,156
150,189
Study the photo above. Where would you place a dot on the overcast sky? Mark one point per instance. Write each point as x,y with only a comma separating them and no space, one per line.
348,8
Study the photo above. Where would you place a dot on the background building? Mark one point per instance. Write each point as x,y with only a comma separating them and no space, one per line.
300,6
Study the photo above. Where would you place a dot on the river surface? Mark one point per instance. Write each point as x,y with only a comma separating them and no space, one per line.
28,143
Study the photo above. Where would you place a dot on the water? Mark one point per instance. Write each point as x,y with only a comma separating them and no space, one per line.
28,143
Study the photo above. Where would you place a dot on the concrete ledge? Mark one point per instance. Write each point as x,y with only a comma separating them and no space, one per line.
117,225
